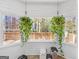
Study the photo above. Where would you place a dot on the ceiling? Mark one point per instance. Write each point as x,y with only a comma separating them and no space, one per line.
53,1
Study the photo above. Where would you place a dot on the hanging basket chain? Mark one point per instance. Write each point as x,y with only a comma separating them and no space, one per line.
25,7
57,8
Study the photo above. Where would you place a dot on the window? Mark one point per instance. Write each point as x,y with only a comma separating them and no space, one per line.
11,32
70,31
40,29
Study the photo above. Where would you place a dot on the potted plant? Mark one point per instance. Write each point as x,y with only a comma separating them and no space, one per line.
25,25
57,27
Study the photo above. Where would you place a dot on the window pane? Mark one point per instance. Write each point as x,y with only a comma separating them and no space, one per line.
11,28
70,31
40,29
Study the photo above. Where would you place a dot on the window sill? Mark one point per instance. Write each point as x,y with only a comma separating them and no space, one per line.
5,45
52,40
18,42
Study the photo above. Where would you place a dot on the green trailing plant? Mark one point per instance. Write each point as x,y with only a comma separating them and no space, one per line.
25,25
57,27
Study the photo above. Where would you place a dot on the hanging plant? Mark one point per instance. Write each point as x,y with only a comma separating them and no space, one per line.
25,26
57,27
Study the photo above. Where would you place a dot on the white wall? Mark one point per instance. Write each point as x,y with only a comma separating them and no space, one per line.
42,1
41,9
13,51
16,50
69,8
11,7
70,51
